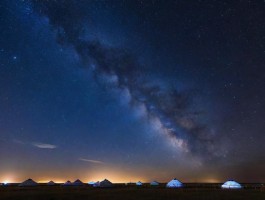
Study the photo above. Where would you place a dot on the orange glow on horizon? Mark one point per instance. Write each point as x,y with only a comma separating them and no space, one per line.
48,180
7,179
99,177
112,175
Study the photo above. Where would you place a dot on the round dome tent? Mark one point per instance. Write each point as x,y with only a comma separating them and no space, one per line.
139,183
105,183
28,182
67,183
4,183
154,183
91,183
78,183
174,184
50,183
231,185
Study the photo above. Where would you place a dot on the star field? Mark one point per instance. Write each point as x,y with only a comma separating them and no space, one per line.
154,89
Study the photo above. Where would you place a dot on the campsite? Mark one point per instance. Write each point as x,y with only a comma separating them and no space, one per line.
132,99
103,190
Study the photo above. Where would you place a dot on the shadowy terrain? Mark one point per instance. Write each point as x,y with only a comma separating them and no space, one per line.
125,193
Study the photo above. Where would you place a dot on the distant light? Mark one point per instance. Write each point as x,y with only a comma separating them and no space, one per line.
5,182
14,57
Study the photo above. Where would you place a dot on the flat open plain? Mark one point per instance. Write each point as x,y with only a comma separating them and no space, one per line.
125,193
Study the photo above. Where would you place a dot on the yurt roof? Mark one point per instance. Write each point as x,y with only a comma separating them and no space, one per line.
139,183
77,182
154,183
174,183
105,183
67,183
51,183
231,184
28,182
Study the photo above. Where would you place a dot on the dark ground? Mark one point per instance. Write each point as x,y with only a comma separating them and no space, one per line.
125,193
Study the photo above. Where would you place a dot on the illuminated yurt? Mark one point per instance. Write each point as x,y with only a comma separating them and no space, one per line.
231,185
139,183
174,184
28,182
91,183
5,183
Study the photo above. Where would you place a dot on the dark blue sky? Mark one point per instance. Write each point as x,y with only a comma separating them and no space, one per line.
132,90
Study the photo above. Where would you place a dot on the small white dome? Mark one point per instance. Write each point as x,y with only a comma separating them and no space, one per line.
174,184
231,185
139,183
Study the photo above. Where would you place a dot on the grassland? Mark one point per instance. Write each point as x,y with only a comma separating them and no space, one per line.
125,193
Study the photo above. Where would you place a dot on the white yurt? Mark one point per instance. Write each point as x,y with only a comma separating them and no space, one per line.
154,183
174,184
139,183
28,182
67,183
4,183
231,185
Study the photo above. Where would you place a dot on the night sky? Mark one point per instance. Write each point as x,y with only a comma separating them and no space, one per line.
132,90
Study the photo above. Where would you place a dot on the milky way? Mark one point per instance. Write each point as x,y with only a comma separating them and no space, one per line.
132,90
166,106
